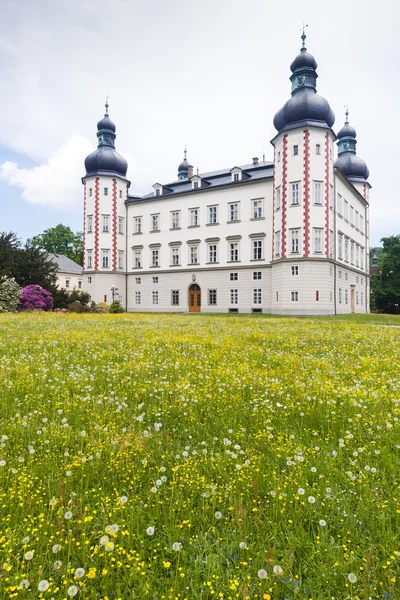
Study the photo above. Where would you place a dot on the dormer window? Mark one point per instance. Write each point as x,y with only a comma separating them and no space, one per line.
196,182
236,177
158,188
157,191
195,185
236,173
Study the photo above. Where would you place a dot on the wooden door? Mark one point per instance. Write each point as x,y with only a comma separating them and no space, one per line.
194,298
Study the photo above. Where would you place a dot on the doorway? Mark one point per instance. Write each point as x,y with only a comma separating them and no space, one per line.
353,299
194,299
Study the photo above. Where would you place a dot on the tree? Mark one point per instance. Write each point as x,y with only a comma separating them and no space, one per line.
27,264
115,307
34,297
385,285
10,293
61,240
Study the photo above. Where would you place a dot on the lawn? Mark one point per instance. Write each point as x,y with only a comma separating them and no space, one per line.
171,457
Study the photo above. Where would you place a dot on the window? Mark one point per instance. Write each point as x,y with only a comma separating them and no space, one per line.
257,275
317,192
121,225
295,270
318,239
194,255
212,215
361,298
340,274
277,296
155,279
120,193
278,198
158,192
346,210
277,243
67,283
346,249
120,259
212,297
137,224
234,296
138,297
89,257
175,257
294,296
154,296
352,253
176,219
330,196
105,258
340,246
279,157
257,249
295,150
194,217
90,192
357,255
351,215
346,296
356,221
233,212
234,251
295,234
89,223
89,280
155,222
318,149
195,185
138,280
346,276
236,177
258,209
340,296
317,296
361,223
331,242
357,297
362,258
233,276
295,193
137,259
257,296
212,253
175,297
105,223
155,257
106,191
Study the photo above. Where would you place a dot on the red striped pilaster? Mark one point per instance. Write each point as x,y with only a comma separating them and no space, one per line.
96,223
284,194
327,194
114,225
84,226
365,192
306,195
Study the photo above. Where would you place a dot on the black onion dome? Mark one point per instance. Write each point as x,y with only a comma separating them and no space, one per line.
105,158
106,123
304,59
352,167
304,105
346,131
184,165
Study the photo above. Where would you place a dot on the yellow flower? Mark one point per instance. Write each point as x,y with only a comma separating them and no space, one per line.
92,573
166,564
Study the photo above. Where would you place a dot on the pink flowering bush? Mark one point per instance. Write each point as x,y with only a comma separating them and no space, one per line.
34,297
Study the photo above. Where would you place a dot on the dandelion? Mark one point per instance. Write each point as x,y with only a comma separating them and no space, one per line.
24,584
301,492
68,473
28,555
278,570
154,490
167,564
243,546
57,565
79,572
150,531
352,578
218,515
2,463
114,528
68,515
43,585
109,546
176,546
56,548
313,470
53,501
104,540
262,573
322,523
26,539
72,590
123,499
311,499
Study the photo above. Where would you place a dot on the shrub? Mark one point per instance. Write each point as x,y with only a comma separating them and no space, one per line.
34,297
103,307
116,307
77,307
10,293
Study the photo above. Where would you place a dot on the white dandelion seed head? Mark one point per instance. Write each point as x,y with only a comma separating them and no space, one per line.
311,499
243,546
72,590
114,528
109,546
150,531
313,470
43,585
53,501
322,523
218,515
68,515
28,555
352,577
79,572
262,574
104,540
123,499
26,539
56,548
24,584
154,490
176,546
68,473
278,570
57,564
2,463
301,492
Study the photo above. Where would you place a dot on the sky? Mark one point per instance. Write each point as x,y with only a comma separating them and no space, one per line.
208,74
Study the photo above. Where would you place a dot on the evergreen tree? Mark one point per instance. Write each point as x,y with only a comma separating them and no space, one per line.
385,285
27,264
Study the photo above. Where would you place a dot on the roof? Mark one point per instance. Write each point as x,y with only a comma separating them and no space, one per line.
213,179
65,264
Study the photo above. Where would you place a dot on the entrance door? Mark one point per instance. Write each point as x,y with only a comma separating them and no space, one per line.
353,299
194,298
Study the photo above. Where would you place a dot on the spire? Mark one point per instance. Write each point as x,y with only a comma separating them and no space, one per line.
348,163
303,37
106,105
347,113
183,169
106,129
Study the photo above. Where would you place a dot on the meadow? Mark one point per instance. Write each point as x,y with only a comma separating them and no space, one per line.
179,457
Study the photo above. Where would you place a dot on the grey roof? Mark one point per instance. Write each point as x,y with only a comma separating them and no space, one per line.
212,180
65,264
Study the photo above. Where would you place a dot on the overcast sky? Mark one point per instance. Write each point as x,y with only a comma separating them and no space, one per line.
211,73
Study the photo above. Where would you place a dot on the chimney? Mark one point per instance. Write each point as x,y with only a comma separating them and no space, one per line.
190,171
255,160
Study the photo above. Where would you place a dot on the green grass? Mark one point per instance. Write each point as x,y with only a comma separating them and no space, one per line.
210,428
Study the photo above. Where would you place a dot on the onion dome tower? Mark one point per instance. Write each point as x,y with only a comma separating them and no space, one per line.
348,163
105,160
305,107
183,169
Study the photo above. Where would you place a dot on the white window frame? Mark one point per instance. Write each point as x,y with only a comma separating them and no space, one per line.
340,246
278,243
121,228
138,224
234,255
258,249
234,276
318,191
138,280
89,258
295,241
174,297
212,253
155,222
278,198
137,259
257,296
175,219
194,217
233,211
105,191
105,223
257,275
175,256
155,257
295,193
258,208
234,297
212,214
194,255
105,258
121,259
318,239
295,270
295,149
212,297
154,296
89,228
294,296
138,297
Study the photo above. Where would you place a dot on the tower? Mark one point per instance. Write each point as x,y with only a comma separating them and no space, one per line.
185,169
303,239
105,191
348,163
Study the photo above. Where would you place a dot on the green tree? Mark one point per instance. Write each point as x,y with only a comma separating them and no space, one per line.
385,285
61,240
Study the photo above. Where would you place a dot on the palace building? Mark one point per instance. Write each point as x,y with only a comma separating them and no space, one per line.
287,237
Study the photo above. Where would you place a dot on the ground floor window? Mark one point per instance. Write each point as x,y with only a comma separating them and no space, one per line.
257,296
175,297
233,276
138,297
234,296
155,297
212,297
295,296
257,275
